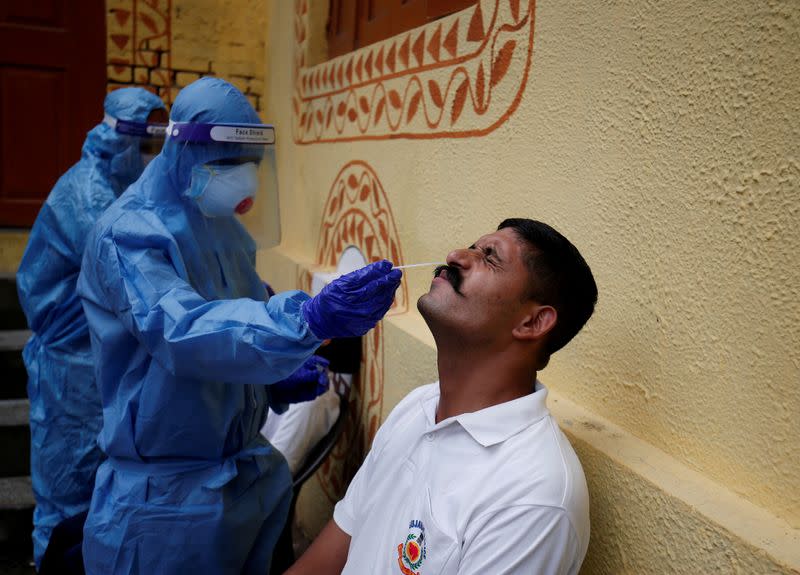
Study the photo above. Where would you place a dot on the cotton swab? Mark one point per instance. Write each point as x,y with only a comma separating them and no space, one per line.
427,264
331,276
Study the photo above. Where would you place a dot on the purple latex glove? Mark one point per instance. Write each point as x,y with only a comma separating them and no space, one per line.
351,305
305,384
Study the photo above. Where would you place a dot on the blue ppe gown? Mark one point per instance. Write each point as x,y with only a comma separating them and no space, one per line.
185,339
65,413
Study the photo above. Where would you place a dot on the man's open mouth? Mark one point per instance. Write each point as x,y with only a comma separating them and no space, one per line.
451,274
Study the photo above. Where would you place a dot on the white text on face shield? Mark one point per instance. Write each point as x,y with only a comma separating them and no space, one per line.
243,135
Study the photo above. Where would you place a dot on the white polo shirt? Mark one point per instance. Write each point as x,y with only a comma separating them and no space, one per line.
497,491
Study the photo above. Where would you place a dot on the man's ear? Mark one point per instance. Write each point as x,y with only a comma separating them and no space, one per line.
535,324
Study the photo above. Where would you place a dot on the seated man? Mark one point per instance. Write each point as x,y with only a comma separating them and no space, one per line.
472,474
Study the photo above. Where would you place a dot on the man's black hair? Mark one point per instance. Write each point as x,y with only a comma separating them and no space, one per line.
560,277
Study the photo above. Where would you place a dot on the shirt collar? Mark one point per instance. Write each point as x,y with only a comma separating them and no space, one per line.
496,423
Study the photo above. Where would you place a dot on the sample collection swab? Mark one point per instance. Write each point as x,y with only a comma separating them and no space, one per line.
427,264
331,276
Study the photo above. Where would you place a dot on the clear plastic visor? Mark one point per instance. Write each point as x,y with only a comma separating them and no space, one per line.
263,220
253,143
150,134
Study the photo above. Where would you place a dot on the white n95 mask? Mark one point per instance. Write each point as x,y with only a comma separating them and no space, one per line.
224,190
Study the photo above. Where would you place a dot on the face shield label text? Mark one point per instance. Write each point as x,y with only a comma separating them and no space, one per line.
243,134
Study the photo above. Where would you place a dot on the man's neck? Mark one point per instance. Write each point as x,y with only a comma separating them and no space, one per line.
474,379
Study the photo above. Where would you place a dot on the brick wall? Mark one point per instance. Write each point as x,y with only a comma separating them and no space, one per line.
164,45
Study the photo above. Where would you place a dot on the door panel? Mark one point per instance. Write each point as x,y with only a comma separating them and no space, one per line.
52,85
34,12
341,27
27,93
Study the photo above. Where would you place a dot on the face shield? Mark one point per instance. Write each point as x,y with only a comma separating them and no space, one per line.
150,136
242,181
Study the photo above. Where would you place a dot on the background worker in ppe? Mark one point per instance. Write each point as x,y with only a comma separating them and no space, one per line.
66,414
187,343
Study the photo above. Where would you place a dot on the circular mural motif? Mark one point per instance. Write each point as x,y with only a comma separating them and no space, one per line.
357,213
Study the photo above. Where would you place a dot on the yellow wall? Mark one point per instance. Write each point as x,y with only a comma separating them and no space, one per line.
164,45
12,246
661,139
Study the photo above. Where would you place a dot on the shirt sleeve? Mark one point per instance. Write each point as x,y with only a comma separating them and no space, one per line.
344,514
236,340
519,540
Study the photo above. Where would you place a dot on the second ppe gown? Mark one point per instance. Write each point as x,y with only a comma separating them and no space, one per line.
65,415
185,341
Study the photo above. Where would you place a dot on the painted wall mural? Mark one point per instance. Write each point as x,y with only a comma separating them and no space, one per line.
165,45
139,45
357,213
460,76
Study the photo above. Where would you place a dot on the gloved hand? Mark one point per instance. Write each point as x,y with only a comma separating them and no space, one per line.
351,305
305,384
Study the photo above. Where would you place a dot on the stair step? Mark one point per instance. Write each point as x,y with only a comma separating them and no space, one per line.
15,438
16,524
15,377
11,315
14,412
16,493
14,339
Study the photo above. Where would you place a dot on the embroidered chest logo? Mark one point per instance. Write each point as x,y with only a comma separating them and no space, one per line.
411,554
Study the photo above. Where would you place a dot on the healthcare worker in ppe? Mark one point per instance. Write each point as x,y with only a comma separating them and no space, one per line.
187,344
66,415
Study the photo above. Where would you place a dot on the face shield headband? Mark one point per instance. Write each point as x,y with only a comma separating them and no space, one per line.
199,133
137,129
147,138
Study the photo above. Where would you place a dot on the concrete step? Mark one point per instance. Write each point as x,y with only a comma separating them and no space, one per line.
16,524
16,493
14,412
13,384
15,438
14,339
11,316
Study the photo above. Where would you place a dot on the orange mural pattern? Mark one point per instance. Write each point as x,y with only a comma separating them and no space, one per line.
139,45
357,213
461,76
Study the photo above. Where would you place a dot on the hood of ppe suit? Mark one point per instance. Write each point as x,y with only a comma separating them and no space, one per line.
164,184
208,100
121,152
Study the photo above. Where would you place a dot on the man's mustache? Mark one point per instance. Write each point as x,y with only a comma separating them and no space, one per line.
453,275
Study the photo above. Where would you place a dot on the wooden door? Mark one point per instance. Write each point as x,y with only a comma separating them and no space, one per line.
52,85
353,24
